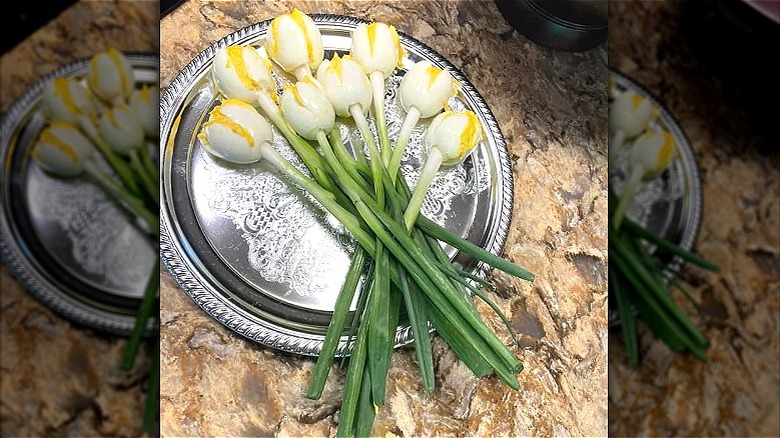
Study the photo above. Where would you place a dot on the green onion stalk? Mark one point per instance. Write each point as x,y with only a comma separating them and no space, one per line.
367,221
66,148
398,257
642,284
124,126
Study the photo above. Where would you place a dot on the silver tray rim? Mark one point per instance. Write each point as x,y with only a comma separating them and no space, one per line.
176,258
13,253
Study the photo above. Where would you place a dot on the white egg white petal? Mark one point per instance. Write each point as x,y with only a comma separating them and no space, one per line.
224,142
146,106
110,75
380,55
307,110
121,129
66,99
230,82
445,133
426,93
346,87
626,116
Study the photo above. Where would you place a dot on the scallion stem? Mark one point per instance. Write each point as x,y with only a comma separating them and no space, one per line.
148,302
635,177
378,91
119,165
134,204
380,334
653,293
637,230
149,166
410,121
152,403
149,185
423,183
627,325
352,386
366,410
615,144
336,325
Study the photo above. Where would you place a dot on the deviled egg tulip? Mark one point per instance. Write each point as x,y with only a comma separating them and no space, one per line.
651,153
62,150
377,48
307,110
240,72
294,42
243,73
145,103
348,89
423,93
121,129
629,115
110,76
236,132
124,133
66,99
455,135
425,88
345,84
451,138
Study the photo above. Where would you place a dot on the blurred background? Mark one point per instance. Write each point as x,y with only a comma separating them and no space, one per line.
59,379
709,64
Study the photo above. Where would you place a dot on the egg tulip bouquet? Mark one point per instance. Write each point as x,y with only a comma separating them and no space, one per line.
101,128
287,83
641,282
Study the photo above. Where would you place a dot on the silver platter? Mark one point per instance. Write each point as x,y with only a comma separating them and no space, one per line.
266,260
69,244
671,204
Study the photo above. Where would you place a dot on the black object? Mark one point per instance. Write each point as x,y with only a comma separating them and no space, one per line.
167,6
22,18
566,25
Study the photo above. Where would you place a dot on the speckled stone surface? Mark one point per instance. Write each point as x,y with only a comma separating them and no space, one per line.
58,380
552,110
672,48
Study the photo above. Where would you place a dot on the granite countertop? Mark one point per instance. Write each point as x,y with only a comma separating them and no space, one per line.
58,379
729,113
552,109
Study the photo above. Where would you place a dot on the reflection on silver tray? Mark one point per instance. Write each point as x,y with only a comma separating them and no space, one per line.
69,244
262,257
669,205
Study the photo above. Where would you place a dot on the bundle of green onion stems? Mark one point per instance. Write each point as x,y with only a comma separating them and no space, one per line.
398,265
642,281
118,130
645,268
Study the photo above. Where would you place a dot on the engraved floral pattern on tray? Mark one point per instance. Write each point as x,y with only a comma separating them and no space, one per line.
102,239
206,253
283,227
276,221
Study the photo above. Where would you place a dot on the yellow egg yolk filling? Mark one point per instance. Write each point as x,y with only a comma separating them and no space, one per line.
216,117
